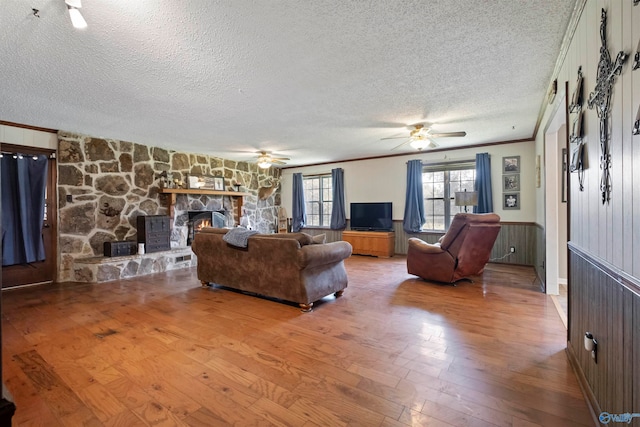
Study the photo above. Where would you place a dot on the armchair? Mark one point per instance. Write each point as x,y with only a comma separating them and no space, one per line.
462,252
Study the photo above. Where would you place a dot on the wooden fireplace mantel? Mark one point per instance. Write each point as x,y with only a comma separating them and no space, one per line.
169,196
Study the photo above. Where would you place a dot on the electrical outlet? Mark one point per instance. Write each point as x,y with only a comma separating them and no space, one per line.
512,249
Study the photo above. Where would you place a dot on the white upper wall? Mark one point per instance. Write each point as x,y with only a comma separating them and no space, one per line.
28,137
384,180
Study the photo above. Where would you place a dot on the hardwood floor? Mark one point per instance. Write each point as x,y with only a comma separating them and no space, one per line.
393,351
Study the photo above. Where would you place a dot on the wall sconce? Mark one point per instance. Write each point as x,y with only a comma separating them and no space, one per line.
77,20
466,198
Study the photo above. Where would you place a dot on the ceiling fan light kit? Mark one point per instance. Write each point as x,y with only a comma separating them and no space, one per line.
265,160
264,163
420,137
420,143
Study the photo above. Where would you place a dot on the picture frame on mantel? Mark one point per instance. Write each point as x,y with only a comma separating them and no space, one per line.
218,183
205,182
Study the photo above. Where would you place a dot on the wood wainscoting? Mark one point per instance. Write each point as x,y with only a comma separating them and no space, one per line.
605,302
522,235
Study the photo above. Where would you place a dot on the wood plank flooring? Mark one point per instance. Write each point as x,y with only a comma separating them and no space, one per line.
393,351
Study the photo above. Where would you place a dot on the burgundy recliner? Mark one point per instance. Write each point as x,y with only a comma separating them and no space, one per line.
462,252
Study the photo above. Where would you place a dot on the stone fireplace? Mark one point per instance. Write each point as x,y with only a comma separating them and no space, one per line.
105,184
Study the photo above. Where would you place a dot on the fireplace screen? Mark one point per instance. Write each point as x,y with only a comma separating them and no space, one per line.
201,219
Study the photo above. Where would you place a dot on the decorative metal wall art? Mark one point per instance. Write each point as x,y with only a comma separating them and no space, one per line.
575,109
577,163
576,98
576,128
600,99
636,65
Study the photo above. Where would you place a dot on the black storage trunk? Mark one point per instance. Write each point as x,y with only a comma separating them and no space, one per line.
154,232
120,248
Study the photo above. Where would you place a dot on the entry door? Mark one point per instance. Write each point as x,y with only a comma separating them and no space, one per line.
41,271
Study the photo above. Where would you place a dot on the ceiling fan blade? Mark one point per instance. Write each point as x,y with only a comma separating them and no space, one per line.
398,146
393,137
280,158
446,134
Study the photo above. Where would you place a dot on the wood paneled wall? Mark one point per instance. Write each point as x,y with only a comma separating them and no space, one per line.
602,303
539,261
522,235
605,237
607,231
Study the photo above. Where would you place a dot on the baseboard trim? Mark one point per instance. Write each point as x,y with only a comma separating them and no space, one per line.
590,399
561,313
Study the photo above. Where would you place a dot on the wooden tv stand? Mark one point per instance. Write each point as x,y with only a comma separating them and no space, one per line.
376,243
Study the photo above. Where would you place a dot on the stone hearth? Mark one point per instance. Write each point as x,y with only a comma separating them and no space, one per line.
105,269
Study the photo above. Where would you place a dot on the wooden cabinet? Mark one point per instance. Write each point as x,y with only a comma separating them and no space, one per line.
376,243
155,232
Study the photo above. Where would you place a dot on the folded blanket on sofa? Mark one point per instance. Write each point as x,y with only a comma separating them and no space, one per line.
238,236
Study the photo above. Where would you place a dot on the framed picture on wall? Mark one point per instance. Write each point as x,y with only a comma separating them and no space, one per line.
511,164
511,182
511,201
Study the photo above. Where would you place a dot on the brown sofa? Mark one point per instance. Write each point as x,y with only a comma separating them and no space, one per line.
289,266
462,252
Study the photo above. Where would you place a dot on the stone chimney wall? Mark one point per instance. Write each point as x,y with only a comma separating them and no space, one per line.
104,184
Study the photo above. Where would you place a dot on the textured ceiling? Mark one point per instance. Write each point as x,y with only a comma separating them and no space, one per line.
316,81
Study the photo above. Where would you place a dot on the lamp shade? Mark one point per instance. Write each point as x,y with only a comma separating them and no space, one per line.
466,198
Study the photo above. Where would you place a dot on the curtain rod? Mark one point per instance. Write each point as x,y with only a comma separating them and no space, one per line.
312,175
447,162
17,153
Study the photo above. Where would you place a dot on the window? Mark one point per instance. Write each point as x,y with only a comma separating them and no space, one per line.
318,199
439,185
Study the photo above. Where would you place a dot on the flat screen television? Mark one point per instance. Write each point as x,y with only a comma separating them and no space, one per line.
373,216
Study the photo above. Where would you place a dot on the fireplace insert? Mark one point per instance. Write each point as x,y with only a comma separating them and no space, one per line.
200,219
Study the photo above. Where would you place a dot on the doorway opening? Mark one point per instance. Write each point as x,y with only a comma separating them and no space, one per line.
43,269
556,200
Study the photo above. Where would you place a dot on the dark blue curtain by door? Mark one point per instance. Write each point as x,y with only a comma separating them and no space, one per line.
298,212
483,184
414,202
24,182
338,211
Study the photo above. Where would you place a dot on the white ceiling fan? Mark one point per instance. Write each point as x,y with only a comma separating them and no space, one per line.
265,160
421,137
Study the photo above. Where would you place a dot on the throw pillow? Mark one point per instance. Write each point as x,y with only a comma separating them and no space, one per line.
319,239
